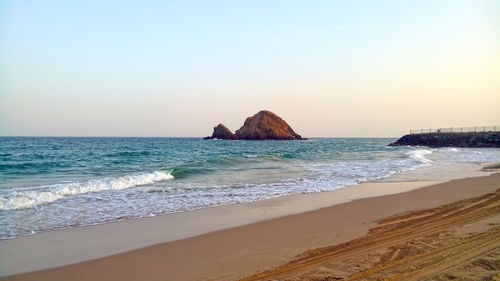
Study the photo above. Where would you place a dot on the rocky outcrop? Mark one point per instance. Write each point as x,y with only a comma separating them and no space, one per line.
264,125
475,139
222,132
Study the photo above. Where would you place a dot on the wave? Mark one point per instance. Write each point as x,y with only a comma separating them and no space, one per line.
211,165
129,153
419,155
179,173
24,198
214,165
200,167
31,167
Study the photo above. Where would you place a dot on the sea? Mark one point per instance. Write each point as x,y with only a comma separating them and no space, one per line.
50,183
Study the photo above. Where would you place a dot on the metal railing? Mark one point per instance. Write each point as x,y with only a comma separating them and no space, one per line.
457,130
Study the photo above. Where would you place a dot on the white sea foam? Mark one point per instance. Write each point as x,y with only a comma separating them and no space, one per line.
29,197
333,175
419,155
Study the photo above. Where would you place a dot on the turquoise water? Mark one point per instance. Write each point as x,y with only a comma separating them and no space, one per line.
53,183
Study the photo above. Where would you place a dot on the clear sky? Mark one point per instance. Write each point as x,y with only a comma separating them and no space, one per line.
178,68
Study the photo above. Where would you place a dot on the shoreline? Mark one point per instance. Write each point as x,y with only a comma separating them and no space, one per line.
57,247
412,176
103,234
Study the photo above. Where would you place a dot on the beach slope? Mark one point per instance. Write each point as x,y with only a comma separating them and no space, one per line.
393,235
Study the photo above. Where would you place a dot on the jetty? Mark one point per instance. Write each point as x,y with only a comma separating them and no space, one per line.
477,136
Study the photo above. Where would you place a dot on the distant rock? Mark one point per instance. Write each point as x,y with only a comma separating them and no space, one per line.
266,125
474,139
221,132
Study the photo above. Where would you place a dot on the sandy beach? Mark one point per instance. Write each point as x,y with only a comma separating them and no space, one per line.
249,140
238,251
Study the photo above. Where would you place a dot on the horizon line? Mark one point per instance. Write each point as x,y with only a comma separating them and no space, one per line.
195,137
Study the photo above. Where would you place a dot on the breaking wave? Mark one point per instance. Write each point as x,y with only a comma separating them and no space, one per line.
22,198
419,155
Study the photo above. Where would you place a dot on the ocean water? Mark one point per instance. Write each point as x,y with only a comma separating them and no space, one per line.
54,183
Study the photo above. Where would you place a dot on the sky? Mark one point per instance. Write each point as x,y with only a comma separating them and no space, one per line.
179,68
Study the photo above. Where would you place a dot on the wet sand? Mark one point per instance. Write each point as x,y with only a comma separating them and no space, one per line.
240,252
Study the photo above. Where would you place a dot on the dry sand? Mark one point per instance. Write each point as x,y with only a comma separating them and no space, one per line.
242,251
456,241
